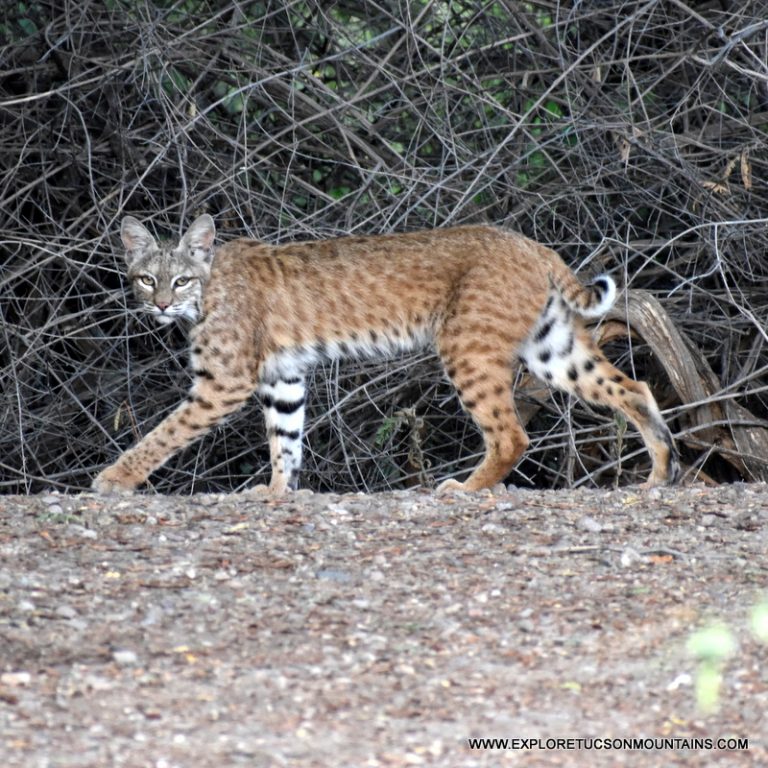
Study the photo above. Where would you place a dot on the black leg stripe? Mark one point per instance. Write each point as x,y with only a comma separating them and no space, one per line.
282,406
291,434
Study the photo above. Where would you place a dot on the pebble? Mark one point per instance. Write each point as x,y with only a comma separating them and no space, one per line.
15,679
629,557
587,523
125,658
333,574
653,494
82,531
494,528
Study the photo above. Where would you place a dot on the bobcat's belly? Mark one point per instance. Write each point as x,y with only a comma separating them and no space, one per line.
291,361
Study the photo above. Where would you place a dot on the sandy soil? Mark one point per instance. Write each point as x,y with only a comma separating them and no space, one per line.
386,630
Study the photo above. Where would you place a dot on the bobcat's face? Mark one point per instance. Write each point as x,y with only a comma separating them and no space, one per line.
168,281
167,286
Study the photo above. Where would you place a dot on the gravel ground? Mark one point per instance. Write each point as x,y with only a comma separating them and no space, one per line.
384,630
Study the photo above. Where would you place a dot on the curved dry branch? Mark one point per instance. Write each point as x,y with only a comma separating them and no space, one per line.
713,417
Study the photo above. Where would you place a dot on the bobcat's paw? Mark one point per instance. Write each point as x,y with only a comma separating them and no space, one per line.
450,485
270,491
259,491
112,480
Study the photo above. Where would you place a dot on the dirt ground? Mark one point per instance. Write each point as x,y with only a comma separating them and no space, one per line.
386,630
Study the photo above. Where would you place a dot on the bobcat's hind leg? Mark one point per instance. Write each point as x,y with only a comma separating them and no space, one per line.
601,383
606,385
568,358
483,380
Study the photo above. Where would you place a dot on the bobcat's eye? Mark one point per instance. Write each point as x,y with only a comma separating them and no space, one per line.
181,281
147,280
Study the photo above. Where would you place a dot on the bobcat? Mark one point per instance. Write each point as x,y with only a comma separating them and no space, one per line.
485,297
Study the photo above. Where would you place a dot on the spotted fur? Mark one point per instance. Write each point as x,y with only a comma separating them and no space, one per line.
483,297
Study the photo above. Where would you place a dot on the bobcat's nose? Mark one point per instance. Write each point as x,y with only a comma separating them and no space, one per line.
162,305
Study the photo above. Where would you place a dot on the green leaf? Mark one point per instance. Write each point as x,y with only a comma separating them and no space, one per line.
760,622
714,643
384,432
338,192
554,109
27,26
708,683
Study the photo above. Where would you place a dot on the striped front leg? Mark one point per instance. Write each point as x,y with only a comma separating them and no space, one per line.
283,401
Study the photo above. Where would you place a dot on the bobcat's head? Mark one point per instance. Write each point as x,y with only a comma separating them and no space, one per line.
168,281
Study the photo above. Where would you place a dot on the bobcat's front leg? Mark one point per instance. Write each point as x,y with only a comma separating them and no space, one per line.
204,407
283,400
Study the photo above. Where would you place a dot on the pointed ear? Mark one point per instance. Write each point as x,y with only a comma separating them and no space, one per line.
199,238
136,238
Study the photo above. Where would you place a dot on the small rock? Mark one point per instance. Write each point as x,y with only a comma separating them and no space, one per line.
494,528
82,531
337,509
653,494
629,557
125,658
683,679
748,521
587,523
333,574
15,679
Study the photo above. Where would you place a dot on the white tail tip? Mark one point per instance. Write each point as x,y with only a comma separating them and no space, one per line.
604,291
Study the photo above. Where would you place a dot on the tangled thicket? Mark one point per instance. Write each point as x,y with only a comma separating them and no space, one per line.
630,136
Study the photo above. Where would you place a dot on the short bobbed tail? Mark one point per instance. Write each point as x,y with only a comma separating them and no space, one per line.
590,301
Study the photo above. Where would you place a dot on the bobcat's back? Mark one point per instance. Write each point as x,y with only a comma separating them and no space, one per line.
380,292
